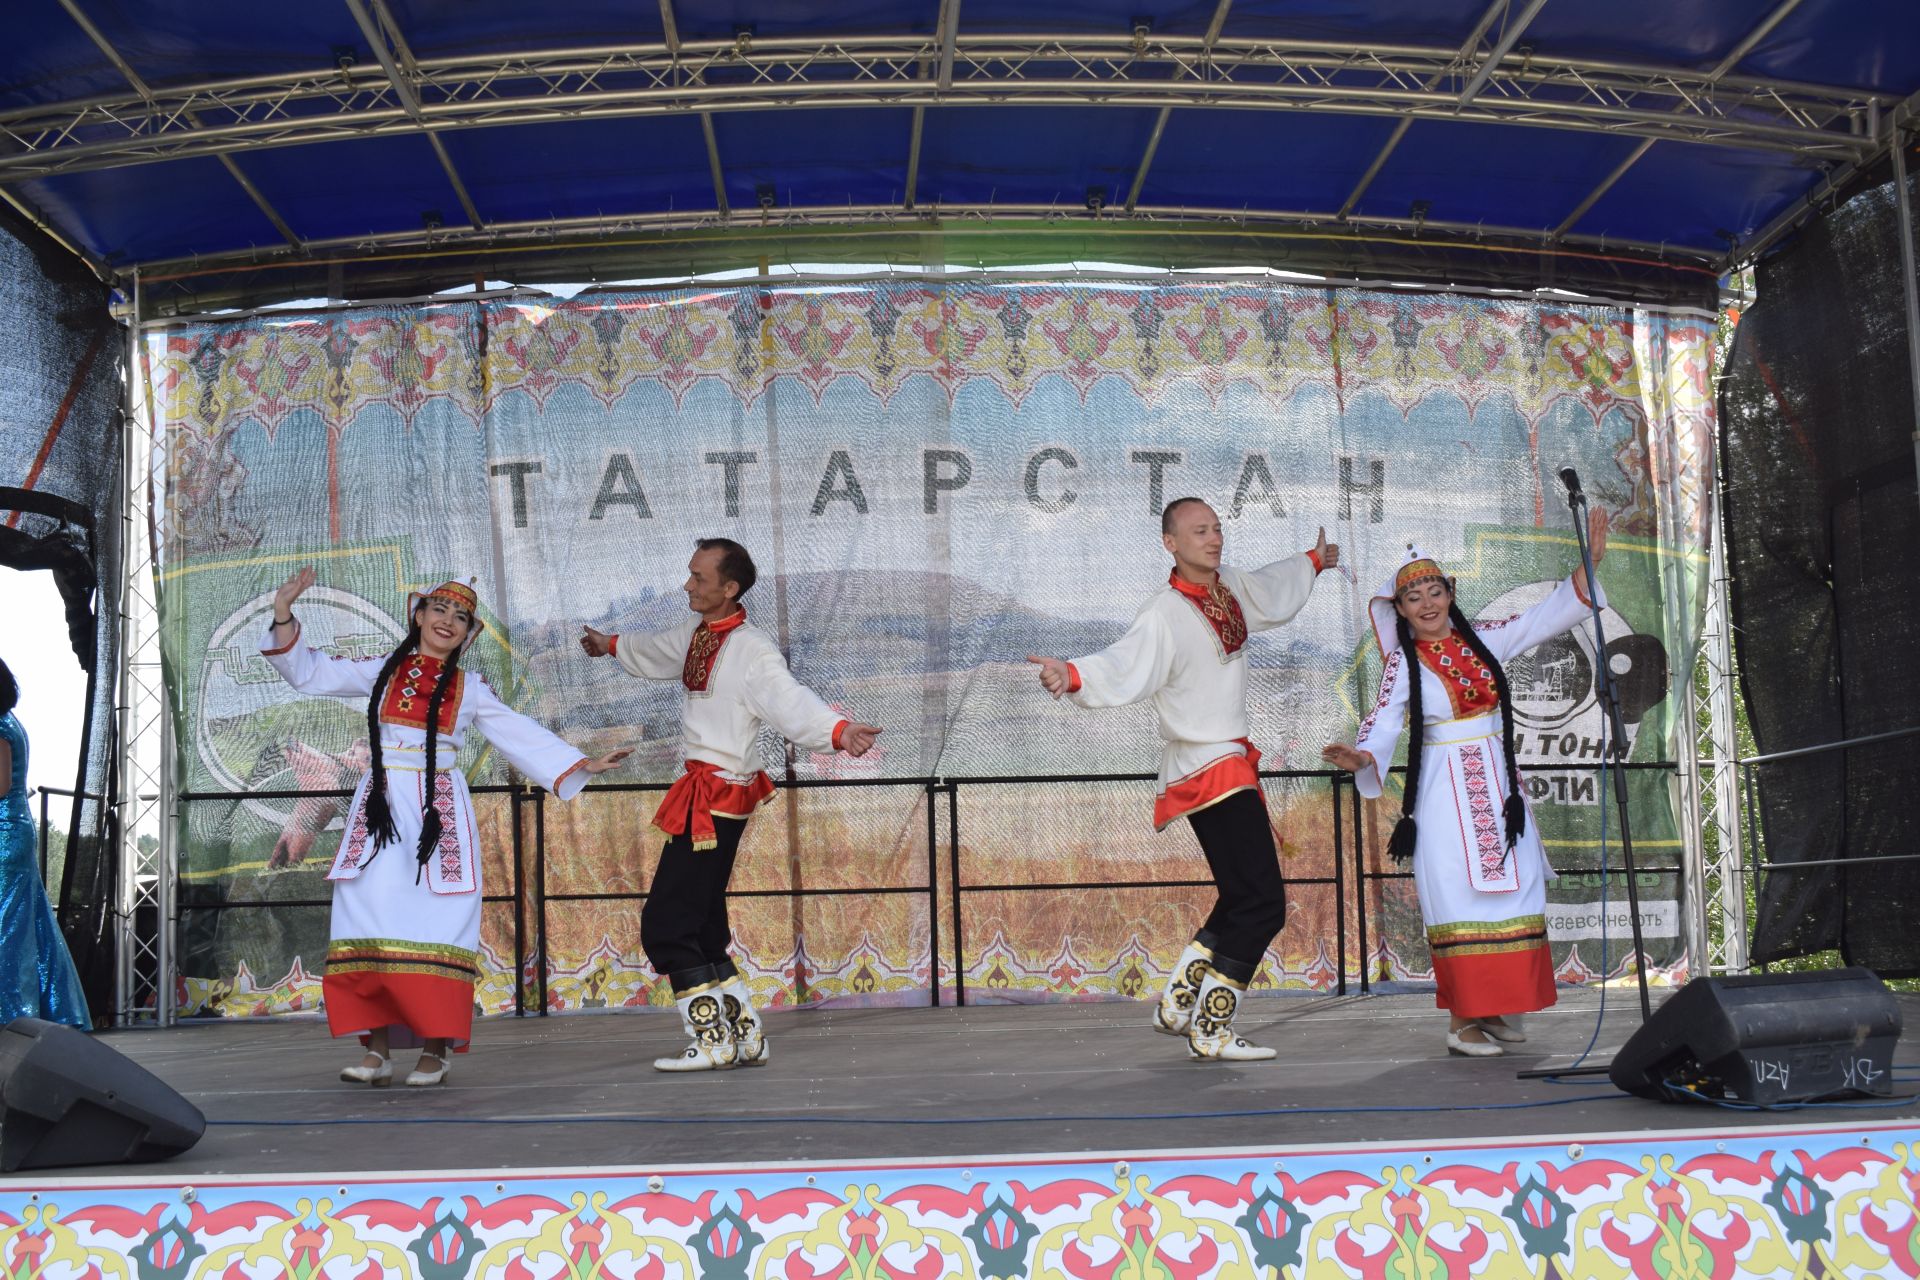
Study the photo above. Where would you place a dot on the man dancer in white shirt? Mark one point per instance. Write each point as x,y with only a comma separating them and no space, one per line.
1185,651
736,681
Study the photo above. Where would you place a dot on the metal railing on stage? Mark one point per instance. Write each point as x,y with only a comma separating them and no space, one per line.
46,828
528,892
1760,863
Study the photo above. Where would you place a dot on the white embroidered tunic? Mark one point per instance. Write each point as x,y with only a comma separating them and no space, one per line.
404,940
735,681
1184,651
526,744
1484,907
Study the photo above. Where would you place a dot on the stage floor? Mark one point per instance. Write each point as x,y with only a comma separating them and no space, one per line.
911,1083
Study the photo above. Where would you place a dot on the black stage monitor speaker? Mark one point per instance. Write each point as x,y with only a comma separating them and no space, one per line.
65,1098
1766,1038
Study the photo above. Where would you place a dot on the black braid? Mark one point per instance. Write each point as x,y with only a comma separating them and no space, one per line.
379,813
430,826
1516,808
1406,832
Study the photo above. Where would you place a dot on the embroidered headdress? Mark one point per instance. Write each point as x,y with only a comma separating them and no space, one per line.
458,593
1417,567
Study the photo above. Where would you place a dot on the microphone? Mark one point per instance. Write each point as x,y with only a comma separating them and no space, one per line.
1571,478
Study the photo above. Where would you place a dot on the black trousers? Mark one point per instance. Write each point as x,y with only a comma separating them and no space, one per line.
683,926
1237,838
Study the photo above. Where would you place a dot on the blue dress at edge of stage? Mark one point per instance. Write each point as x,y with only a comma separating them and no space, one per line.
37,978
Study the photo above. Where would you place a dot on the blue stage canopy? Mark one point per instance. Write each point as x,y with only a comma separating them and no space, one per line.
1678,133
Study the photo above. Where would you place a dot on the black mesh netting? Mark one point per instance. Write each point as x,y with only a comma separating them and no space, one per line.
1822,523
59,467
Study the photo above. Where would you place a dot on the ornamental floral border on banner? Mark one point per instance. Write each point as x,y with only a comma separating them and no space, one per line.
1697,1206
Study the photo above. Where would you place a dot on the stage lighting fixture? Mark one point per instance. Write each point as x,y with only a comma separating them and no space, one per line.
763,193
1096,198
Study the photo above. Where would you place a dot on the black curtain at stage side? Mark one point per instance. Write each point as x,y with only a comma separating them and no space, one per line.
60,418
1823,531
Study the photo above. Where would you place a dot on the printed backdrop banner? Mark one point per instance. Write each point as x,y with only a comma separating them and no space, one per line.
937,480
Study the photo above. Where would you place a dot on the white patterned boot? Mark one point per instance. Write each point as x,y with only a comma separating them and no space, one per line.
1210,1035
1175,1010
750,1047
703,1014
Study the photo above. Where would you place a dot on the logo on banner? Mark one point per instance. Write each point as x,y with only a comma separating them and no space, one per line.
1580,921
1556,694
251,731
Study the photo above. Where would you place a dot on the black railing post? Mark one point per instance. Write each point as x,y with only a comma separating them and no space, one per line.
1360,893
933,898
540,897
959,933
1339,884
43,837
1753,844
519,910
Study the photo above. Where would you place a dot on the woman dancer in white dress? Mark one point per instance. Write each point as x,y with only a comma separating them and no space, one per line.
404,938
1477,859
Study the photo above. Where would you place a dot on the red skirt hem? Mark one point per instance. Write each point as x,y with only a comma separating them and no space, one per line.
1492,985
434,1008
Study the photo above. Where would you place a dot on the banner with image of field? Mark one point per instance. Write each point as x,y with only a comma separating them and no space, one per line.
937,479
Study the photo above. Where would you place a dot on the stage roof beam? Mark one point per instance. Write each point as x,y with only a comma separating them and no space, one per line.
949,42
1760,32
1160,123
1500,50
913,156
1465,56
713,165
670,32
396,60
1823,194
883,217
1818,123
147,96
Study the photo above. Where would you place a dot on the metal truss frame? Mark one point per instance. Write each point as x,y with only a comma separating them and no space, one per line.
1718,890
405,95
1494,77
560,233
144,910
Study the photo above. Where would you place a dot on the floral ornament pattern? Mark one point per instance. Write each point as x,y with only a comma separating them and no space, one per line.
1792,1204
1275,339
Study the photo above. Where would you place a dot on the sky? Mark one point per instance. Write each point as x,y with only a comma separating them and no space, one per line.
53,685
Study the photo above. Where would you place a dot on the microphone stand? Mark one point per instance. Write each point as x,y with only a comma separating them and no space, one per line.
1613,745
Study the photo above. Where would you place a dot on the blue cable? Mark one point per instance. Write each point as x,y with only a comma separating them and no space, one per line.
1263,1113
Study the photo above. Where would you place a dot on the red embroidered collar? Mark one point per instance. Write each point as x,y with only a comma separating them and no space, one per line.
1469,682
1218,606
703,650
410,689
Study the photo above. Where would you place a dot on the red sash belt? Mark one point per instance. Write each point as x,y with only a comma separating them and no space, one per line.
699,793
1209,786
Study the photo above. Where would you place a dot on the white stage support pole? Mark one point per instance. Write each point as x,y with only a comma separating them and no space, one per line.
1724,885
1693,860
144,797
